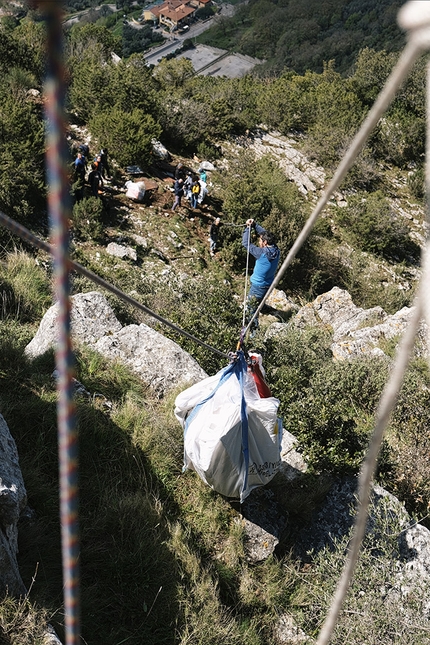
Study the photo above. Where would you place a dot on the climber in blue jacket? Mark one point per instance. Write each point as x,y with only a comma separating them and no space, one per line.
267,256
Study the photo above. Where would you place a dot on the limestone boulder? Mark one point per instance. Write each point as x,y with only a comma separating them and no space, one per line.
13,500
159,361
91,318
355,331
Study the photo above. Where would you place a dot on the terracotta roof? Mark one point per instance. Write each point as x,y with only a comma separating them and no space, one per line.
168,5
175,13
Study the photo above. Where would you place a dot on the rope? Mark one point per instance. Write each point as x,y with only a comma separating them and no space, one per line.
407,59
246,278
26,235
389,395
59,211
385,407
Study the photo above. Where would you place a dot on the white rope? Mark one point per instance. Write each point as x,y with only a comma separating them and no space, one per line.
246,278
413,17
386,405
407,59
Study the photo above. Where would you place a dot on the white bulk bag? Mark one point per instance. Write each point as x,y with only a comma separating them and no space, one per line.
135,190
232,437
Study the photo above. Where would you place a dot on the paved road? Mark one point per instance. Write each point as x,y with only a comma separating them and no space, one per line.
154,56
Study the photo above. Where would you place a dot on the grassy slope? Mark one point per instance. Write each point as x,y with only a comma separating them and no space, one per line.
162,555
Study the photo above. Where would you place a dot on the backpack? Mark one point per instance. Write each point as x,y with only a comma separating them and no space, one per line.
196,189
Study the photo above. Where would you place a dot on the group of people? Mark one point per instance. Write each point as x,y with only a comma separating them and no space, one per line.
189,186
99,172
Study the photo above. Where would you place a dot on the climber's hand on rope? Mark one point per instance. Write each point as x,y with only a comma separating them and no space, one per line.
249,222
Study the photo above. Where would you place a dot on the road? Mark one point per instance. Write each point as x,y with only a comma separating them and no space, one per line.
174,40
154,56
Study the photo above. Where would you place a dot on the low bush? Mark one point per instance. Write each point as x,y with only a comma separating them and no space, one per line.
329,406
87,219
376,228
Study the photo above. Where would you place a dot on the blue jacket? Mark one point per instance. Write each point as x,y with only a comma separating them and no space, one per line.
267,259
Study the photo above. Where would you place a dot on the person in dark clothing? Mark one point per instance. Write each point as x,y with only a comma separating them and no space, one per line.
98,164
267,256
79,176
179,171
95,181
213,235
79,166
179,191
84,149
105,163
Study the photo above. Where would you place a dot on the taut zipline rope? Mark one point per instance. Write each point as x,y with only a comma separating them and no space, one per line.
407,59
26,235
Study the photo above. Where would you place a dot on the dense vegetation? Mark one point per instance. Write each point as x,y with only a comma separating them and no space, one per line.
304,36
163,557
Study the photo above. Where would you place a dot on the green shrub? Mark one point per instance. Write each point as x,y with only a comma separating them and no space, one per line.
376,228
206,150
208,309
86,219
416,183
328,405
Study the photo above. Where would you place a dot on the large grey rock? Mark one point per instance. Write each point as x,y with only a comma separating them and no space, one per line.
355,331
13,499
335,518
121,251
263,522
158,360
91,318
292,463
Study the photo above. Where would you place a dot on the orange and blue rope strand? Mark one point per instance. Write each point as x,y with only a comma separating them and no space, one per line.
59,212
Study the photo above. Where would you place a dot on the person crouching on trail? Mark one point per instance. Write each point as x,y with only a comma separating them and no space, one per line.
267,256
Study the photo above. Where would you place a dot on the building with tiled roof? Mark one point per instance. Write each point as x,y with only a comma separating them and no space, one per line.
174,13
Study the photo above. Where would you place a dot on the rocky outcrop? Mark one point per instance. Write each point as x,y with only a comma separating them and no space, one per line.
159,361
91,318
121,251
335,518
356,331
13,500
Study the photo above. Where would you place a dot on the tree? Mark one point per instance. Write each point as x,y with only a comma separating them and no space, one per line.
127,135
132,84
172,74
22,191
90,88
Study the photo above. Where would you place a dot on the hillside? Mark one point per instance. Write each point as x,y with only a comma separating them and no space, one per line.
146,527
304,37
164,559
